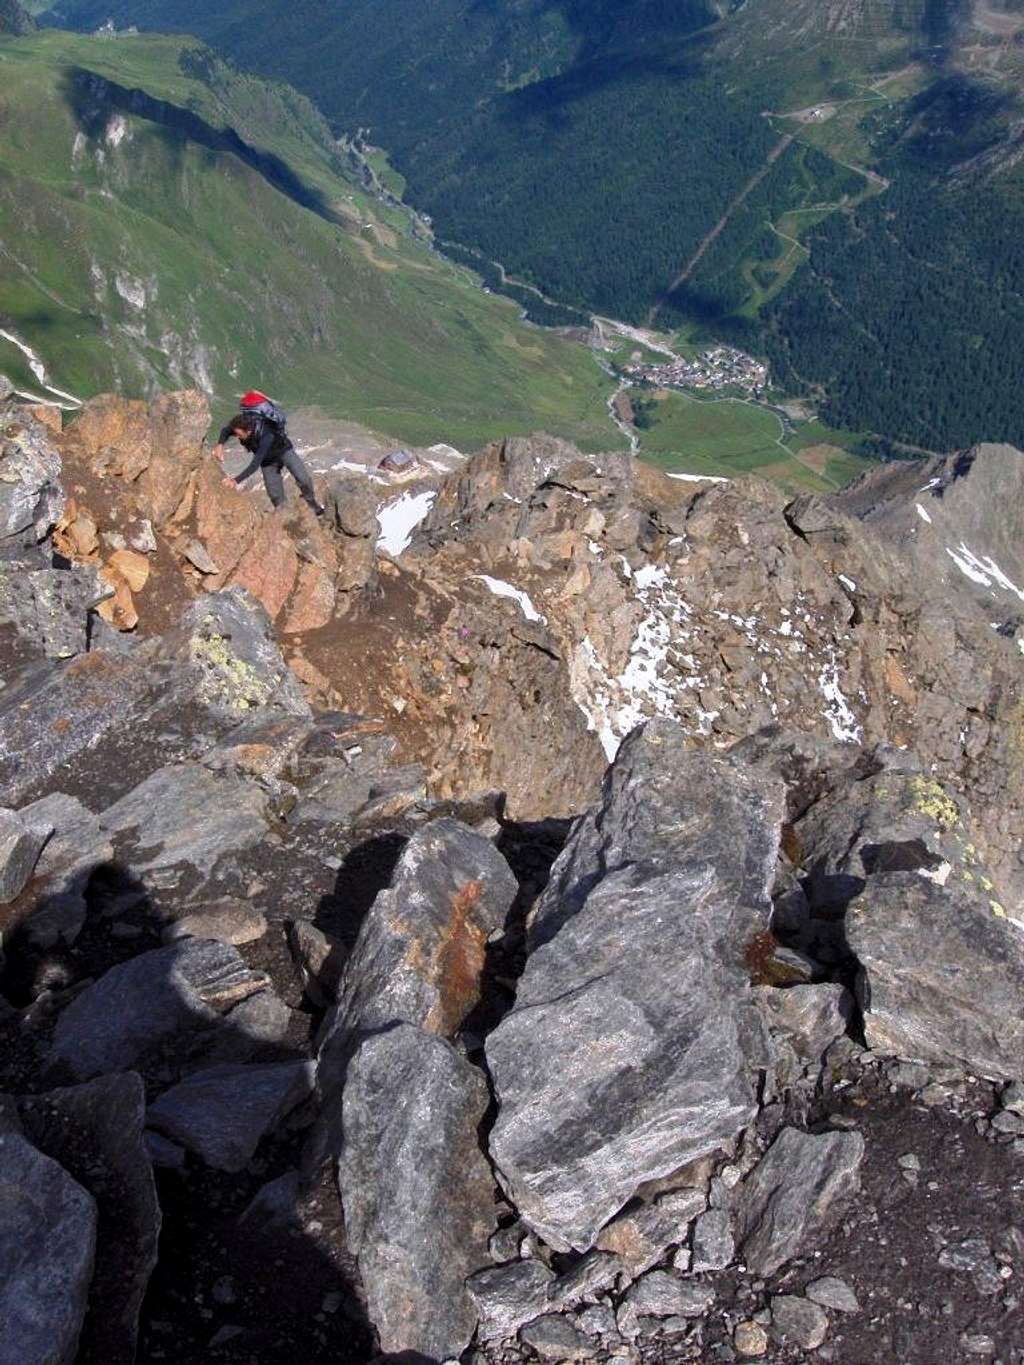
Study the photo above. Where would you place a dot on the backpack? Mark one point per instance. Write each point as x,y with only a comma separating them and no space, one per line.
262,406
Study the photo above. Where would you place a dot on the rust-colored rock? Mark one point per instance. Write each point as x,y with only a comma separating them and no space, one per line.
177,424
114,435
132,567
269,566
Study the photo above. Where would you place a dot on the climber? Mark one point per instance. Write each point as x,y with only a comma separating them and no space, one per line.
271,452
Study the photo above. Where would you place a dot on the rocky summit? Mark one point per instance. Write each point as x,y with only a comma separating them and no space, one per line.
542,910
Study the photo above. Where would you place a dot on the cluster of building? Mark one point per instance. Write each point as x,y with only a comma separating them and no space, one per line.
719,367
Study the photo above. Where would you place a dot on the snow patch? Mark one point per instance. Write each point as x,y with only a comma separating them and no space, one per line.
983,571
847,583
837,708
398,520
939,875
502,589
39,369
922,513
698,478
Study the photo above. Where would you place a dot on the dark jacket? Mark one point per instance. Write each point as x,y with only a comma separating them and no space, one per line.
266,444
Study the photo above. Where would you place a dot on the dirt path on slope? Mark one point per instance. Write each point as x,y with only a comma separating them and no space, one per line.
723,222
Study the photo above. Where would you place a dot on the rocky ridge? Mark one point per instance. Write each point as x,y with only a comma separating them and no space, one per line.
648,1085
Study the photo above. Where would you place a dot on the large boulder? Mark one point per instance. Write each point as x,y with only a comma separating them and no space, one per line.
895,879
416,1188
421,950
31,498
47,1244
624,1057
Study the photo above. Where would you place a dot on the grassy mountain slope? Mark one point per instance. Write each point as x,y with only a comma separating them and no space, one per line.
165,220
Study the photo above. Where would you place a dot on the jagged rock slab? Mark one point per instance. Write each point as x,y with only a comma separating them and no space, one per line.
248,1032
220,666
227,640
147,1001
894,871
31,498
184,816
791,1193
641,1237
508,1295
51,606
77,847
21,843
416,1189
224,1112
941,975
802,1022
47,1244
623,1057
421,949
95,1131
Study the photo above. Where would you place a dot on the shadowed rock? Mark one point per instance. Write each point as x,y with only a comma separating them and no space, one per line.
149,1000
223,1113
47,1242
95,1132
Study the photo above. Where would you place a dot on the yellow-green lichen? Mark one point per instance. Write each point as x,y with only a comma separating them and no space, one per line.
930,800
987,884
997,910
227,680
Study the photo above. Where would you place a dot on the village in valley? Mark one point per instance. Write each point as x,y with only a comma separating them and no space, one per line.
719,367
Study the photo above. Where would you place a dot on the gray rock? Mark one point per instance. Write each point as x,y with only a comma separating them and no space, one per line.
147,1001
662,1295
68,860
227,640
51,607
973,1257
47,1244
319,959
554,1338
143,539
623,1057
833,1293
31,498
506,1296
597,1321
941,962
20,846
276,1204
641,1237
713,1242
421,949
797,1322
228,921
223,1113
245,1033
184,817
790,1194
199,557
417,1192
163,1152
95,1131
810,1018
750,1339
1012,1097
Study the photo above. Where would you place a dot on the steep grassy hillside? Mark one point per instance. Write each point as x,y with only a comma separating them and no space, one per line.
164,220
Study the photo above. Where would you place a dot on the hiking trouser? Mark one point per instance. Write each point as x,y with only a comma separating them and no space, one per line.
274,484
